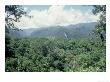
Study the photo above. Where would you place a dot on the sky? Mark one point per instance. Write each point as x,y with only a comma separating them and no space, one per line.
55,15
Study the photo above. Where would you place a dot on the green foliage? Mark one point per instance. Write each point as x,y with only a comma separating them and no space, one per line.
11,64
51,54
101,26
12,14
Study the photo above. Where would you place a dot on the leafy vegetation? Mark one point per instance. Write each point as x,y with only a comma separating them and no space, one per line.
53,54
50,54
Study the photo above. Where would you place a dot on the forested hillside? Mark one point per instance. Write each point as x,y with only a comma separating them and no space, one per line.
50,54
71,31
58,49
82,30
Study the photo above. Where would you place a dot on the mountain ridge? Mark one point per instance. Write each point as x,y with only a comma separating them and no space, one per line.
71,31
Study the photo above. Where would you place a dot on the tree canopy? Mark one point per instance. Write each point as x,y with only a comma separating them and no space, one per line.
101,26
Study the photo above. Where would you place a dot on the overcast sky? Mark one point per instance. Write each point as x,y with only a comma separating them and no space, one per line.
48,15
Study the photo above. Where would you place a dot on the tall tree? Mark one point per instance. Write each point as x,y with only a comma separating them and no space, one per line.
12,14
101,26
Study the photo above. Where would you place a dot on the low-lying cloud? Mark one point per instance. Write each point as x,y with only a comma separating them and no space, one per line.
54,16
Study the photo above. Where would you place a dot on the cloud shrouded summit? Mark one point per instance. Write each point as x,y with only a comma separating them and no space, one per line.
55,15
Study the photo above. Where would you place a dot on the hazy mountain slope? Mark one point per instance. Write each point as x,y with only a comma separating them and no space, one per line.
21,33
71,31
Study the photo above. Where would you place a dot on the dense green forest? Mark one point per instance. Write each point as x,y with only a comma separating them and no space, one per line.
52,54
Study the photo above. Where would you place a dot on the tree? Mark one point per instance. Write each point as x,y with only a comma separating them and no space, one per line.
101,26
12,14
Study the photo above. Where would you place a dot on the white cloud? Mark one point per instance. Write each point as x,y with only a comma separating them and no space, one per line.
56,15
